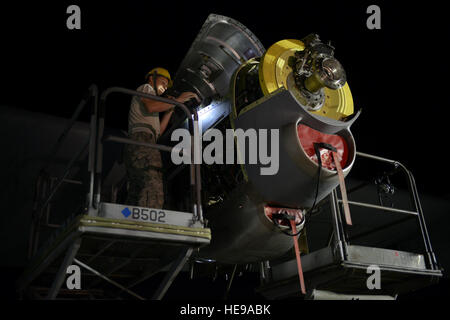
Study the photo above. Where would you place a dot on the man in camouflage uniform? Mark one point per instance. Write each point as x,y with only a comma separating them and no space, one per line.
144,166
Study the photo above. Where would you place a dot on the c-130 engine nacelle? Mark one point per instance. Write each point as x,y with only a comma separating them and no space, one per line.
296,87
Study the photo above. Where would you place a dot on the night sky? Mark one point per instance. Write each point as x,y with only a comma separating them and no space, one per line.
392,72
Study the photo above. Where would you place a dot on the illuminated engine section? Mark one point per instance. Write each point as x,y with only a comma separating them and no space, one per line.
300,89
297,89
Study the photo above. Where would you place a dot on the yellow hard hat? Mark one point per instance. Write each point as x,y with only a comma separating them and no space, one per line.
160,72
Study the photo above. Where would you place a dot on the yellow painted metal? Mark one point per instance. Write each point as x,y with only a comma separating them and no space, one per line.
338,103
89,221
274,70
274,67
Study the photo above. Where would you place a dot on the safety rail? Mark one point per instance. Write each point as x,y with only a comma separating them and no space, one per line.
195,174
338,225
38,208
94,145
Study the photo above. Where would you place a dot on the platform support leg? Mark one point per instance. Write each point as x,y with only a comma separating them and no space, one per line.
230,282
59,278
175,268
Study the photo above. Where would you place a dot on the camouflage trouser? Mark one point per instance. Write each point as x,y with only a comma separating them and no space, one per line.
145,183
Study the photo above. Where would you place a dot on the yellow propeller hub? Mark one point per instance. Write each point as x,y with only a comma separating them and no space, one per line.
275,69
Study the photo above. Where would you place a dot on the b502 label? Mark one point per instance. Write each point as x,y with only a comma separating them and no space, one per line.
148,215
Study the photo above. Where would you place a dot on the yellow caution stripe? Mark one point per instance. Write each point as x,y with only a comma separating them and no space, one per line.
90,221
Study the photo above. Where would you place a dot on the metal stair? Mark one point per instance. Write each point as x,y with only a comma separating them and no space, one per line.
341,269
114,244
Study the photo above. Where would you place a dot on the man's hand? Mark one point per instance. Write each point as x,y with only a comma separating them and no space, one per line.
186,96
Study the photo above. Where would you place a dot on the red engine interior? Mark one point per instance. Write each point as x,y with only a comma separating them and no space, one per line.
297,213
308,136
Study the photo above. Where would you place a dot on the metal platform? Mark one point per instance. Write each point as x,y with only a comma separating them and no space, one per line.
341,269
122,249
400,272
114,244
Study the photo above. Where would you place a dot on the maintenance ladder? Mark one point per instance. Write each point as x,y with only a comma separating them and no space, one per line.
112,243
340,270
